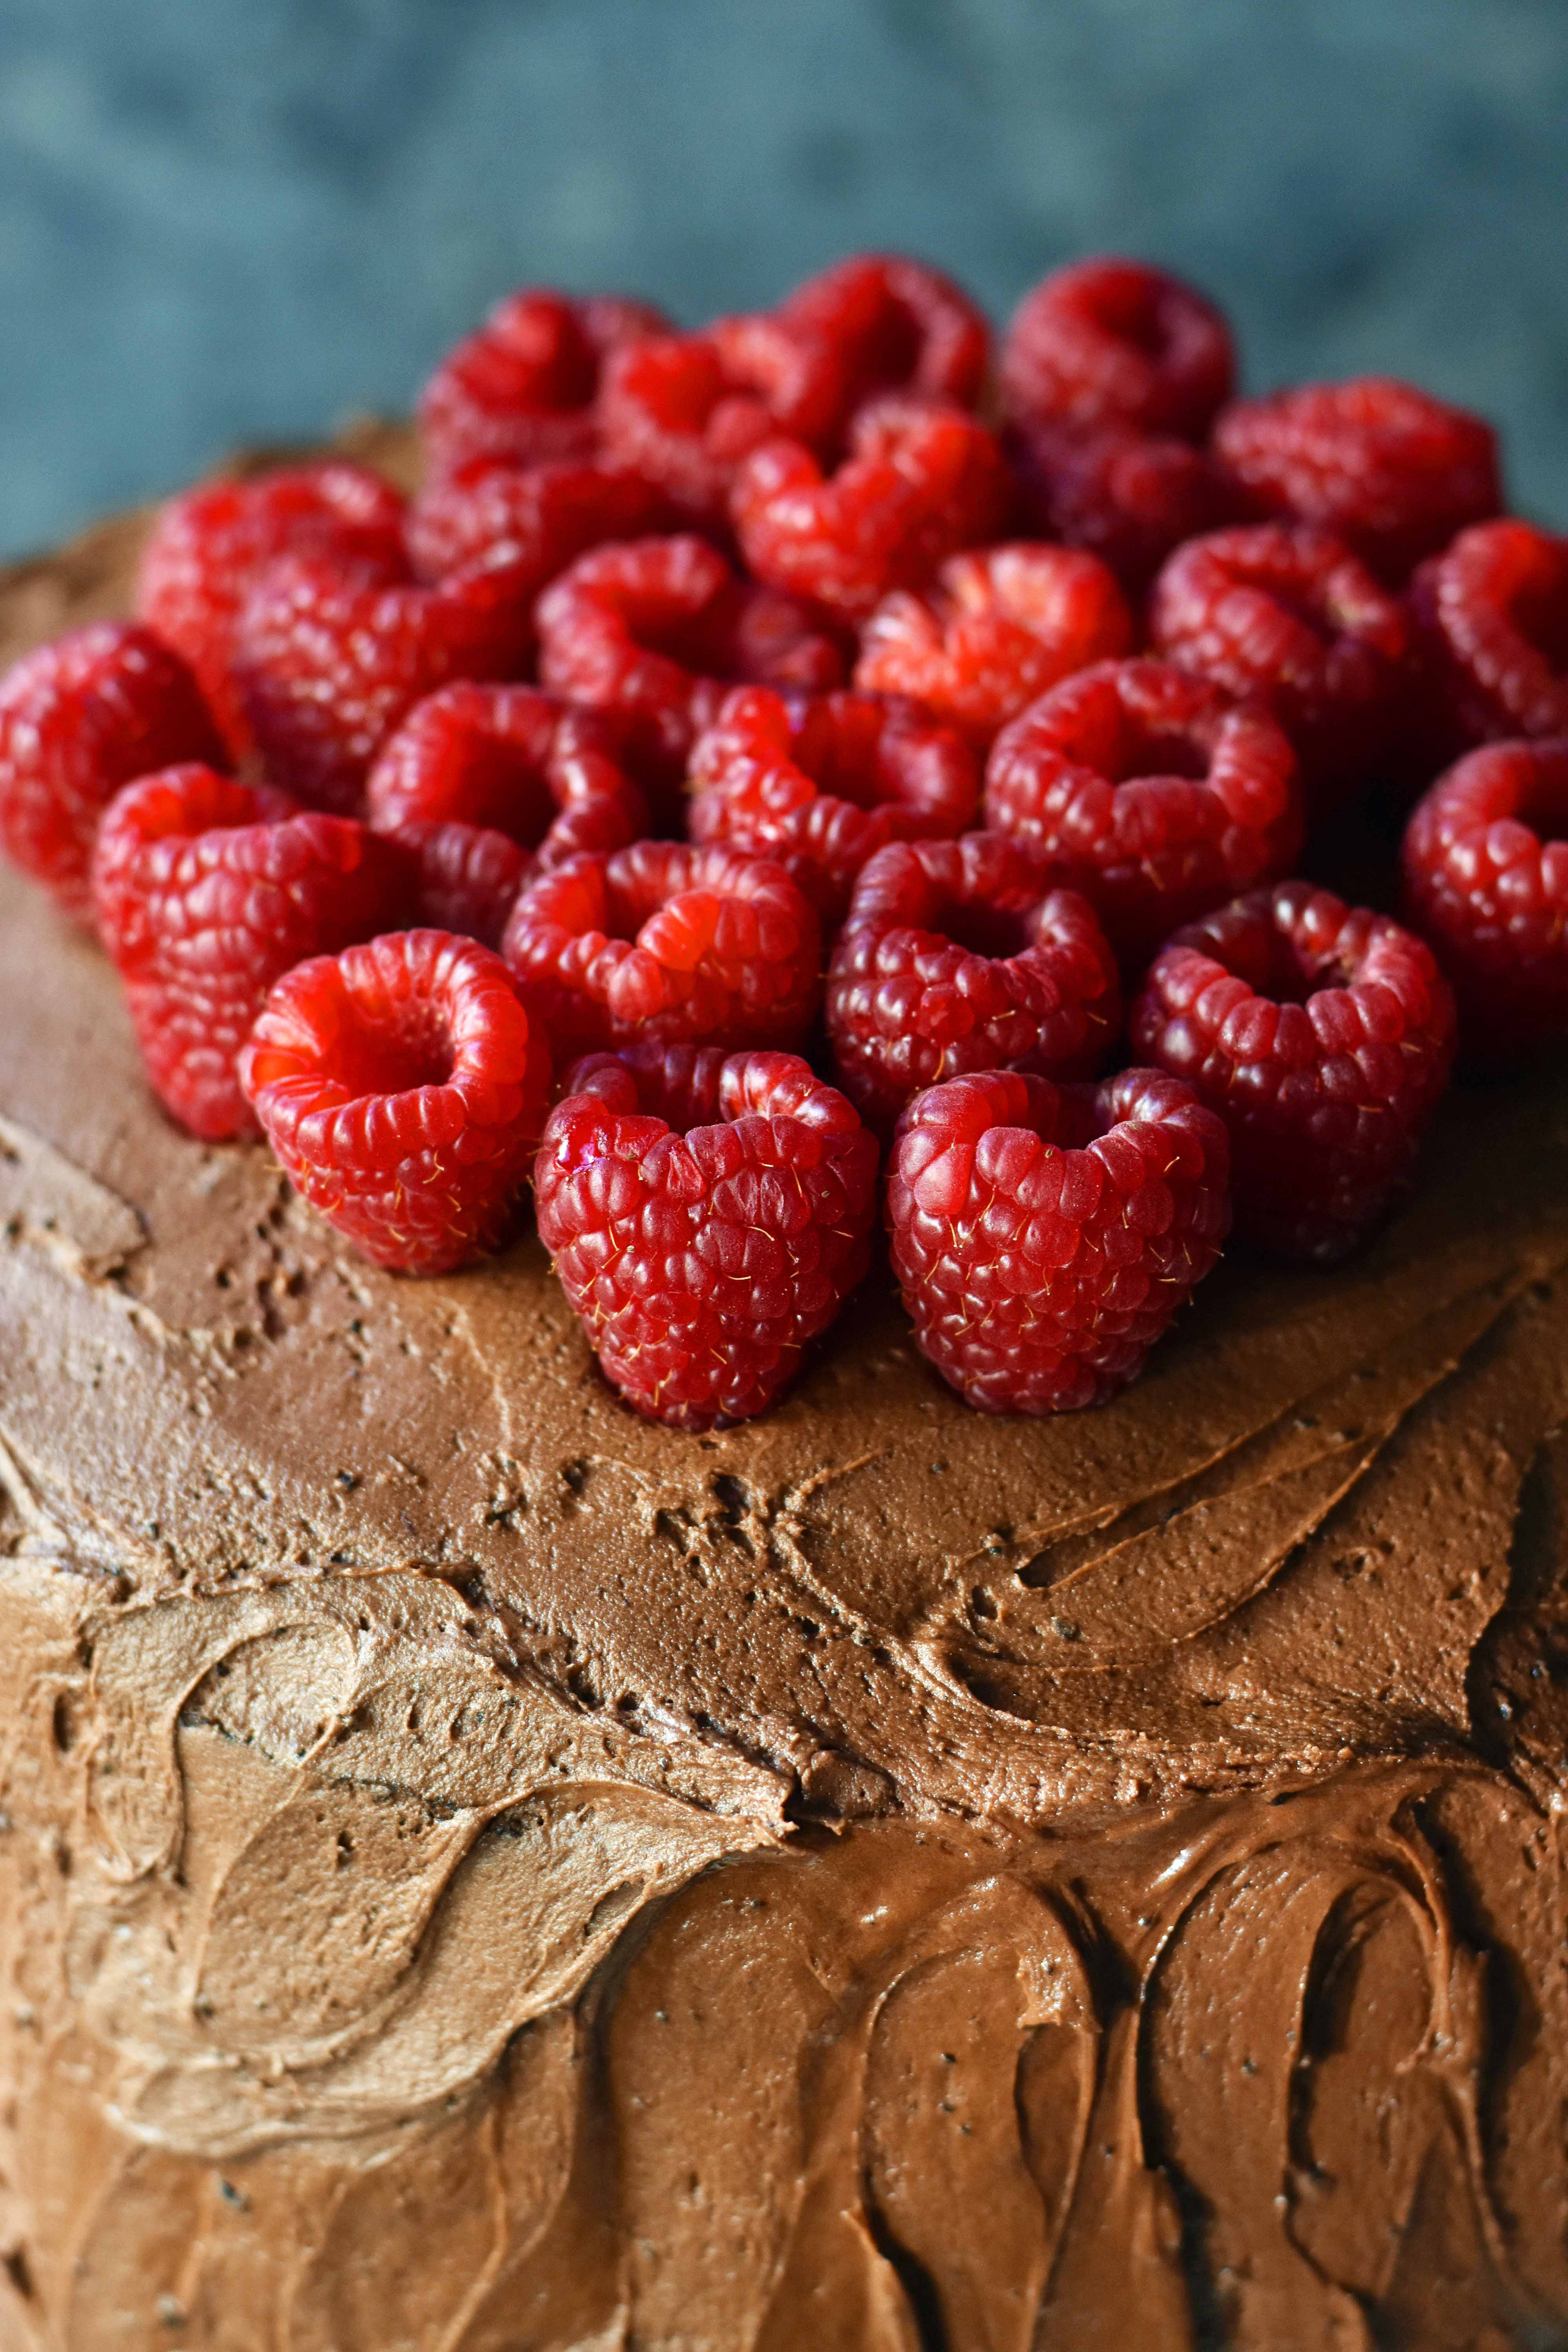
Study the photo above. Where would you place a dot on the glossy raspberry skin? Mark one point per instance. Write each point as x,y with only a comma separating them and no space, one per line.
1323,1035
954,958
402,1085
820,783
1393,472
999,627
1107,342
896,325
1044,1236
1493,612
80,718
1149,791
686,946
523,388
207,891
539,518
708,1217
1129,497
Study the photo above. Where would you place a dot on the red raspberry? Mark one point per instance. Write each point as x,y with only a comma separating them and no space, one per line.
708,1218
523,387
954,958
1284,614
1001,625
1128,497
920,482
820,783
207,547
539,518
1323,1035
1044,1236
896,326
79,718
1115,342
1150,791
1492,611
402,1085
682,945
1393,471
1485,882
207,892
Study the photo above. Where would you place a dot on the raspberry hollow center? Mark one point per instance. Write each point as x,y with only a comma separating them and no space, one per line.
410,1046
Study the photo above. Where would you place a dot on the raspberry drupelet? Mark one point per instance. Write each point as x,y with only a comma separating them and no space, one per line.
1129,497
708,1217
1150,791
525,387
207,891
821,782
1045,1237
402,1085
1113,342
896,325
1493,613
1323,1035
954,958
80,718
683,945
538,518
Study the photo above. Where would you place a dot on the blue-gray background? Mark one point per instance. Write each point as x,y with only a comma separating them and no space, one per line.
223,220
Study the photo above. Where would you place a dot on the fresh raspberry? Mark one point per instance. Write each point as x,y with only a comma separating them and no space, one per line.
920,482
896,326
523,387
1486,883
820,783
207,547
489,784
1393,471
1493,612
403,1083
1284,614
539,518
207,892
1115,342
954,958
1044,1236
1001,625
1323,1035
708,1218
1150,791
1129,497
682,945
79,718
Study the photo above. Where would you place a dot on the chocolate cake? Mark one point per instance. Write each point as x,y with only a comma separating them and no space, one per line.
481,1871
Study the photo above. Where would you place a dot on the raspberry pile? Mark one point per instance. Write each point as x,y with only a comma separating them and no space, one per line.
826,764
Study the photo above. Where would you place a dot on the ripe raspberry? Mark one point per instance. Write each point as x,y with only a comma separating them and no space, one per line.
896,326
661,940
1044,1236
1323,1035
539,518
1115,342
523,387
920,482
1284,614
79,718
1393,471
1486,883
1001,625
207,547
819,783
1492,611
402,1085
207,892
1129,497
489,784
1150,791
954,958
708,1218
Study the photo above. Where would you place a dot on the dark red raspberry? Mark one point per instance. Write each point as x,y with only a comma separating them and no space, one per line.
1486,883
954,958
920,482
1323,1035
539,518
1115,342
523,387
896,326
403,1083
1129,497
1492,611
207,546
1284,614
708,1218
1044,1236
1001,625
207,892
1150,791
820,783
684,945
79,718
1395,472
